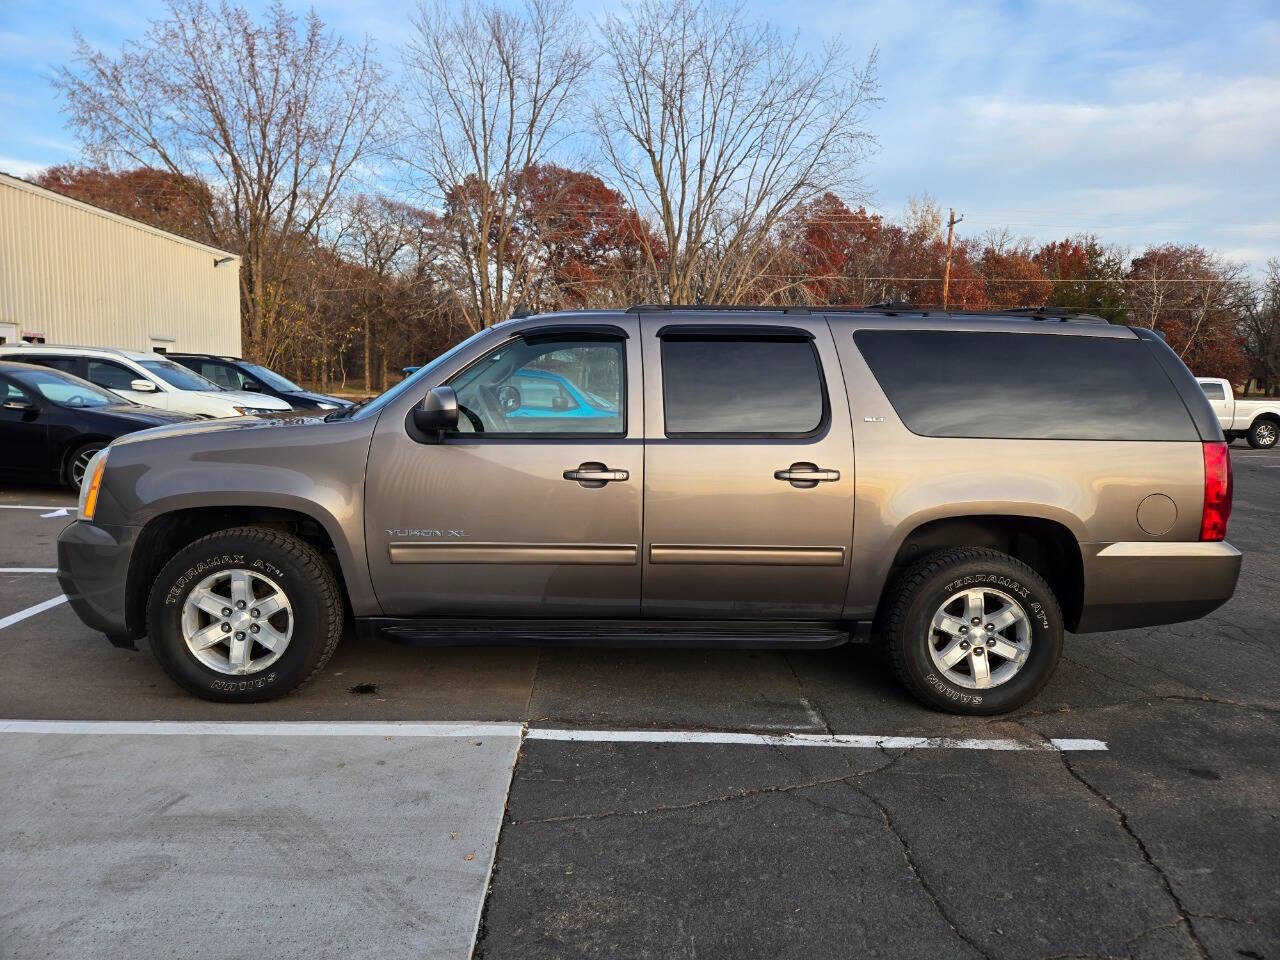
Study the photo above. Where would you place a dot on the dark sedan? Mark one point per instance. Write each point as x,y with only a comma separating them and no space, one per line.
236,374
51,423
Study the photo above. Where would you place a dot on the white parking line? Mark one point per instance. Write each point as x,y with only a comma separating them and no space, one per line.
846,740
245,728
235,728
28,569
41,607
14,506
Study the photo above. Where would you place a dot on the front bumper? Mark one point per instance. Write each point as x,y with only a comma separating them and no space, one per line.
93,571
1147,584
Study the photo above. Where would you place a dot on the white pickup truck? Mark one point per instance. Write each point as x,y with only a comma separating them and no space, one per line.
1258,421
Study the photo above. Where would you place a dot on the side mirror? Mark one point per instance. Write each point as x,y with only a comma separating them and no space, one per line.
436,415
142,386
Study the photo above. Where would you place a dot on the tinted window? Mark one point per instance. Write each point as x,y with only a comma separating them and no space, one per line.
110,375
177,376
1025,386
545,387
1213,391
220,373
272,379
67,364
728,386
65,390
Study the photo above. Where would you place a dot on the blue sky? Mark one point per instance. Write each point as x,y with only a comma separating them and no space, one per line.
1140,121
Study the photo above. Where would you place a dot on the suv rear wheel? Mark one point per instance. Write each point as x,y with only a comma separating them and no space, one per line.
244,615
973,631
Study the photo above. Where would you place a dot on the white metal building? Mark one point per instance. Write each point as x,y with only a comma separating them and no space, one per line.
72,273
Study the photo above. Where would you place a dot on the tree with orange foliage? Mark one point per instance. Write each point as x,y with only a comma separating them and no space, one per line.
590,244
160,198
1194,299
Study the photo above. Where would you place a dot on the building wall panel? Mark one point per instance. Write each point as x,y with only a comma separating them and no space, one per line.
84,276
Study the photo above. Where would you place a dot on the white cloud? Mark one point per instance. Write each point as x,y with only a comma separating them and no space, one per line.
19,168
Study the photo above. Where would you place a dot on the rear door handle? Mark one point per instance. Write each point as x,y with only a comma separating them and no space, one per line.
806,475
596,475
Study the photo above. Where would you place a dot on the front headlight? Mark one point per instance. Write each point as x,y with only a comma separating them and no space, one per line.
90,484
254,411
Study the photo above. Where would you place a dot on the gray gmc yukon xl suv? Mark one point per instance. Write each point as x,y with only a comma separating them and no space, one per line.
962,487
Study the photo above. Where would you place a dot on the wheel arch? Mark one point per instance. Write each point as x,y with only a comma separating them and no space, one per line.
1045,544
74,444
168,532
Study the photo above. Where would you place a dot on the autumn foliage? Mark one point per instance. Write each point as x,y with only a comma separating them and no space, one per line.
381,296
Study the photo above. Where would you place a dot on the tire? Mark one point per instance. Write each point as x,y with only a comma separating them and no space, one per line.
255,564
78,460
924,590
1263,434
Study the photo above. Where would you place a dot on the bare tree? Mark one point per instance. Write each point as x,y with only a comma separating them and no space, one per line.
273,116
717,127
1260,327
489,92
1195,299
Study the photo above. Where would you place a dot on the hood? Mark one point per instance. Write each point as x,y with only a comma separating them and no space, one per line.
219,426
137,413
309,396
246,398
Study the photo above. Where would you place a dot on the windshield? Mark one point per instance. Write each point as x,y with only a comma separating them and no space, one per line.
177,376
65,390
372,407
271,378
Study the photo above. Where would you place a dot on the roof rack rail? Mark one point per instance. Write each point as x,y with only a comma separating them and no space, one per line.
1058,313
885,307
708,307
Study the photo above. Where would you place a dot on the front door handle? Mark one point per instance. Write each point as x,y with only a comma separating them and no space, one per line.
806,475
596,475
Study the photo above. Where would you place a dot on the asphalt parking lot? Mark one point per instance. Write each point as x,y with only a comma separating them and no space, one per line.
440,803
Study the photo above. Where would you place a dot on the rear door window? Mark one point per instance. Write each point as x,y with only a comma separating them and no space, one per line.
741,386
111,375
945,383
65,364
224,375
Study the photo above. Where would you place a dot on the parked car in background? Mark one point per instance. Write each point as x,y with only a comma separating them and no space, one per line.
52,424
961,484
1258,421
543,393
232,373
147,378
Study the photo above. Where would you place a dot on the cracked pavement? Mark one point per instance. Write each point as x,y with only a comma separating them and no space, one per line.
1167,846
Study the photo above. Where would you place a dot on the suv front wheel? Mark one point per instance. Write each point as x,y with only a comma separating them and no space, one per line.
244,615
973,631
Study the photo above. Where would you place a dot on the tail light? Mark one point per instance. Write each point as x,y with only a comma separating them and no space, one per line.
1217,492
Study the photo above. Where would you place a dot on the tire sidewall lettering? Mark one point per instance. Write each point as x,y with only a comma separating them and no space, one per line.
1008,584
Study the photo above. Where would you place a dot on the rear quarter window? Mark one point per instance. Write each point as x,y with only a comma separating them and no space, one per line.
1025,386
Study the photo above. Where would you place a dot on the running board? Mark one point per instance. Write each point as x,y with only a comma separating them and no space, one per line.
735,634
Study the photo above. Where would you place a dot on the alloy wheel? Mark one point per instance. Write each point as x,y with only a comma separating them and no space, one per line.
237,621
980,638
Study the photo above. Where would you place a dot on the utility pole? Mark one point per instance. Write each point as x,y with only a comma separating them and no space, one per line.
952,220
